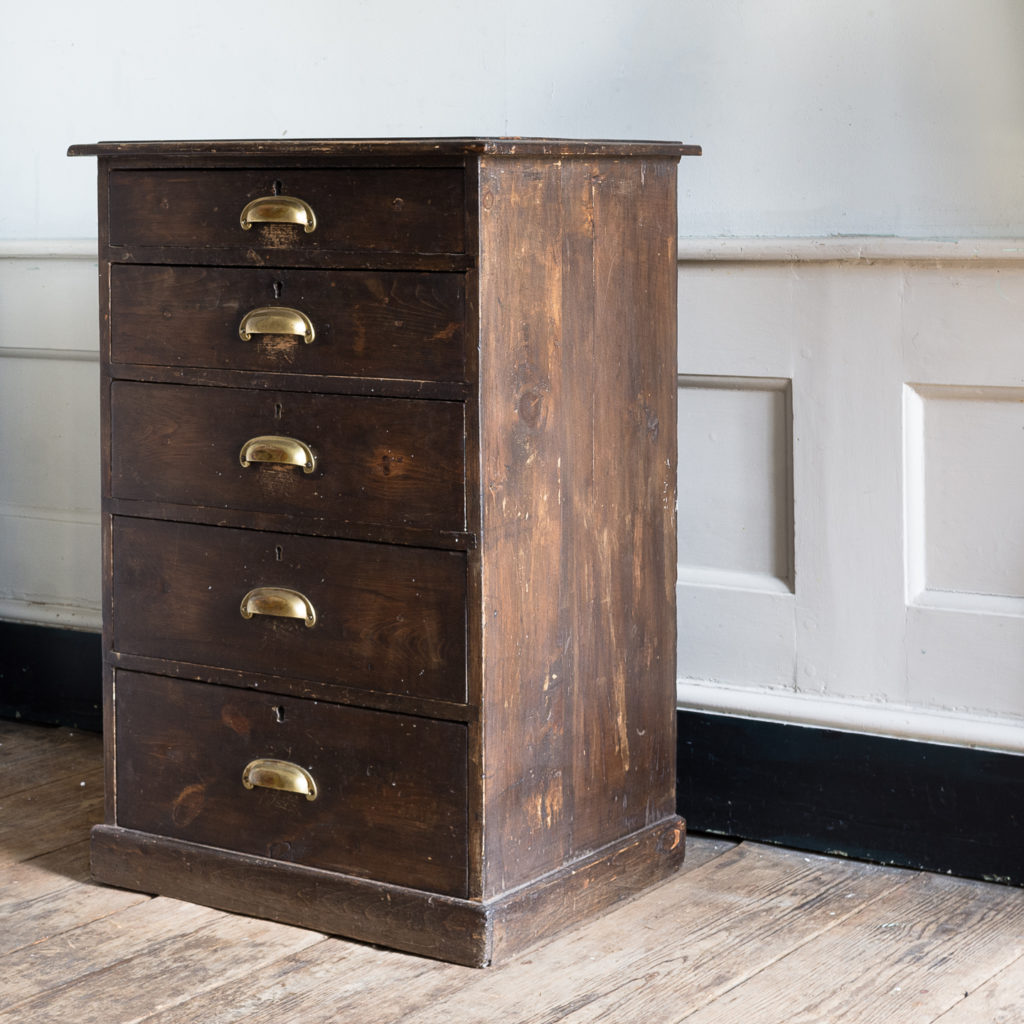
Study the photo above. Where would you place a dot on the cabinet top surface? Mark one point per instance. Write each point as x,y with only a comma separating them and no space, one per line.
508,147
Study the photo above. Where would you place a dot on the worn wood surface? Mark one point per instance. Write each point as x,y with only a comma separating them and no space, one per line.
548,461
371,324
441,149
421,922
387,461
182,748
411,210
51,754
46,896
578,449
388,618
742,933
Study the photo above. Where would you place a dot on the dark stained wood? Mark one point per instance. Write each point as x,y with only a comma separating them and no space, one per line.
528,745
367,324
182,748
387,461
448,928
305,150
299,258
454,540
331,690
519,590
393,387
419,922
577,546
106,554
585,887
388,618
404,210
623,612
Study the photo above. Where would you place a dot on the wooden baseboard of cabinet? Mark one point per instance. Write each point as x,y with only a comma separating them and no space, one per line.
470,932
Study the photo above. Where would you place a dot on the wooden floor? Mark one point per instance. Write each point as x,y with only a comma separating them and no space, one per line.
746,934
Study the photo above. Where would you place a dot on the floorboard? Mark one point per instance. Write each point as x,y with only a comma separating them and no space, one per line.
999,1001
744,934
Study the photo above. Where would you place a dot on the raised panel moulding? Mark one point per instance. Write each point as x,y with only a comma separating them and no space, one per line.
736,482
848,248
49,566
77,355
68,616
963,503
48,249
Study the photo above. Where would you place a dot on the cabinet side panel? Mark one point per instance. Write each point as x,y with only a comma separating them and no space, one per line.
524,420
621,572
577,374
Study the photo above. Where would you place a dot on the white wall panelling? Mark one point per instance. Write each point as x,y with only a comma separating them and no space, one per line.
965,506
49,422
906,614
736,528
735,600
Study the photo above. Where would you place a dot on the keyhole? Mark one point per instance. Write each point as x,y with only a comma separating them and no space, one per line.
279,713
278,552
278,410
276,188
278,285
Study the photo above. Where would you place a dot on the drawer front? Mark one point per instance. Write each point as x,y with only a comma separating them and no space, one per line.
379,461
387,618
363,323
390,790
407,210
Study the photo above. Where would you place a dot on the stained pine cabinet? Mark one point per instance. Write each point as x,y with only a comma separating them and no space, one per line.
389,531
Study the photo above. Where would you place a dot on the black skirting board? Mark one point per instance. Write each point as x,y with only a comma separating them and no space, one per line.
51,676
954,810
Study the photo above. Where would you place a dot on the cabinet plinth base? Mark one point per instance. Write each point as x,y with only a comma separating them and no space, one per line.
461,931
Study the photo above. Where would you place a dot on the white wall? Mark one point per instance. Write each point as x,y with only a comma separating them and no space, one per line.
49,434
851,497
901,117
813,600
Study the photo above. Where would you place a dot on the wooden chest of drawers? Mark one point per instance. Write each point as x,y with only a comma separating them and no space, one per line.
389,531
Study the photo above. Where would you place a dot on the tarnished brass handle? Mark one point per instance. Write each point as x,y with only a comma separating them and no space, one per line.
278,210
276,320
269,773
278,601
283,451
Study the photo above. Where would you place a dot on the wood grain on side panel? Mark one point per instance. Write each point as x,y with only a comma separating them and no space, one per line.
578,455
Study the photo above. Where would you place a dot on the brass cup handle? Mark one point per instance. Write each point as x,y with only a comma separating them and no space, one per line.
278,210
282,451
276,320
280,602
269,773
